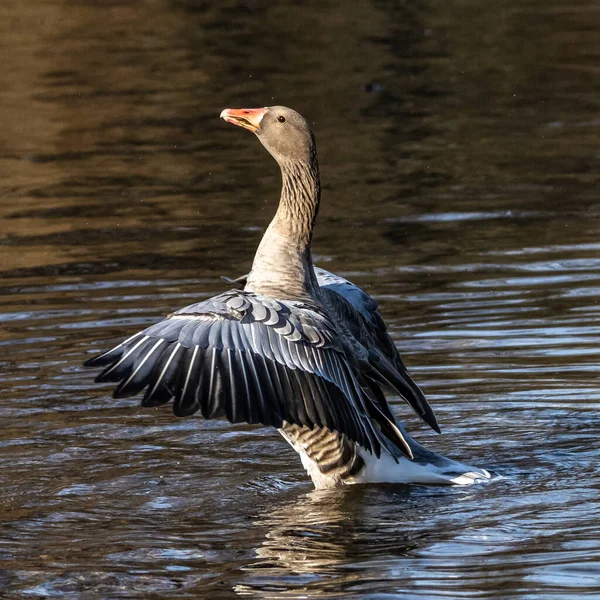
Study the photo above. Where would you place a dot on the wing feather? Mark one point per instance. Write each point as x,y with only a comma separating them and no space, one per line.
117,370
159,389
190,402
189,374
228,357
359,314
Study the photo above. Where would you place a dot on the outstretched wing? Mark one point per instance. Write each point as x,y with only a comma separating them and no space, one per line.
249,358
359,312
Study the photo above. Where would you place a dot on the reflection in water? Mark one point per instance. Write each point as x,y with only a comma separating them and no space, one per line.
332,543
311,540
459,156
314,535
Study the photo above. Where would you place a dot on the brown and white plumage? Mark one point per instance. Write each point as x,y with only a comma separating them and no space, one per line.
299,348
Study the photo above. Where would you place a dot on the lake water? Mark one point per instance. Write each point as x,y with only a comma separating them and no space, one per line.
460,156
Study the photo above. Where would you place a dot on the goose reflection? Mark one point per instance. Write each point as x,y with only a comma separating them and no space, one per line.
313,542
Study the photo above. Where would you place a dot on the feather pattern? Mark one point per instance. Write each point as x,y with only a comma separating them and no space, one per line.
360,315
298,348
357,313
247,358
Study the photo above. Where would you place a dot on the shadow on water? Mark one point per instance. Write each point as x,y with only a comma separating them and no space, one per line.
459,155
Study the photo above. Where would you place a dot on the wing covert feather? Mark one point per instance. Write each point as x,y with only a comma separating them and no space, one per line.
247,358
359,314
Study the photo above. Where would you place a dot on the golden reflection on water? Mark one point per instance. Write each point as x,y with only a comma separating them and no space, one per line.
459,154
309,539
311,535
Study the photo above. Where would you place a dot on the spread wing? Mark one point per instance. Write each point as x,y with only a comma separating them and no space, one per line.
360,315
249,358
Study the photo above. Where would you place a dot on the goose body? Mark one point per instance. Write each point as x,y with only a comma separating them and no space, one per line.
298,348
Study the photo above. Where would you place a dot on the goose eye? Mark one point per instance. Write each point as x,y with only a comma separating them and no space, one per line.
281,119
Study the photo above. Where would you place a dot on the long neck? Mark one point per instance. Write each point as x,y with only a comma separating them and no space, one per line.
283,265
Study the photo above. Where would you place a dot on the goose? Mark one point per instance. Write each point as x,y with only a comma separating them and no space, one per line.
298,348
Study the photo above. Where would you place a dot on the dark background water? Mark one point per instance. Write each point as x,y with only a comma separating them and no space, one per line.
460,156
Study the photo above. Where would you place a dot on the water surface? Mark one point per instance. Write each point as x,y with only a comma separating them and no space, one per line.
459,146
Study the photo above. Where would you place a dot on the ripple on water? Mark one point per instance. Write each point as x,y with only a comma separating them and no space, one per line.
463,197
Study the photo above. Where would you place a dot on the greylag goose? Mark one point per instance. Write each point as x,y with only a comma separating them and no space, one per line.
299,348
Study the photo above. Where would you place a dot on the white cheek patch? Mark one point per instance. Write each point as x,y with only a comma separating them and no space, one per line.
263,115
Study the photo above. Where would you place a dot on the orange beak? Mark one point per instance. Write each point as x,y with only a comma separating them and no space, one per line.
248,118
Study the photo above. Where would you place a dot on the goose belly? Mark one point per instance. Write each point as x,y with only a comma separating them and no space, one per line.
331,460
440,471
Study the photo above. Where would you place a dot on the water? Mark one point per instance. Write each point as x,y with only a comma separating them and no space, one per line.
459,147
